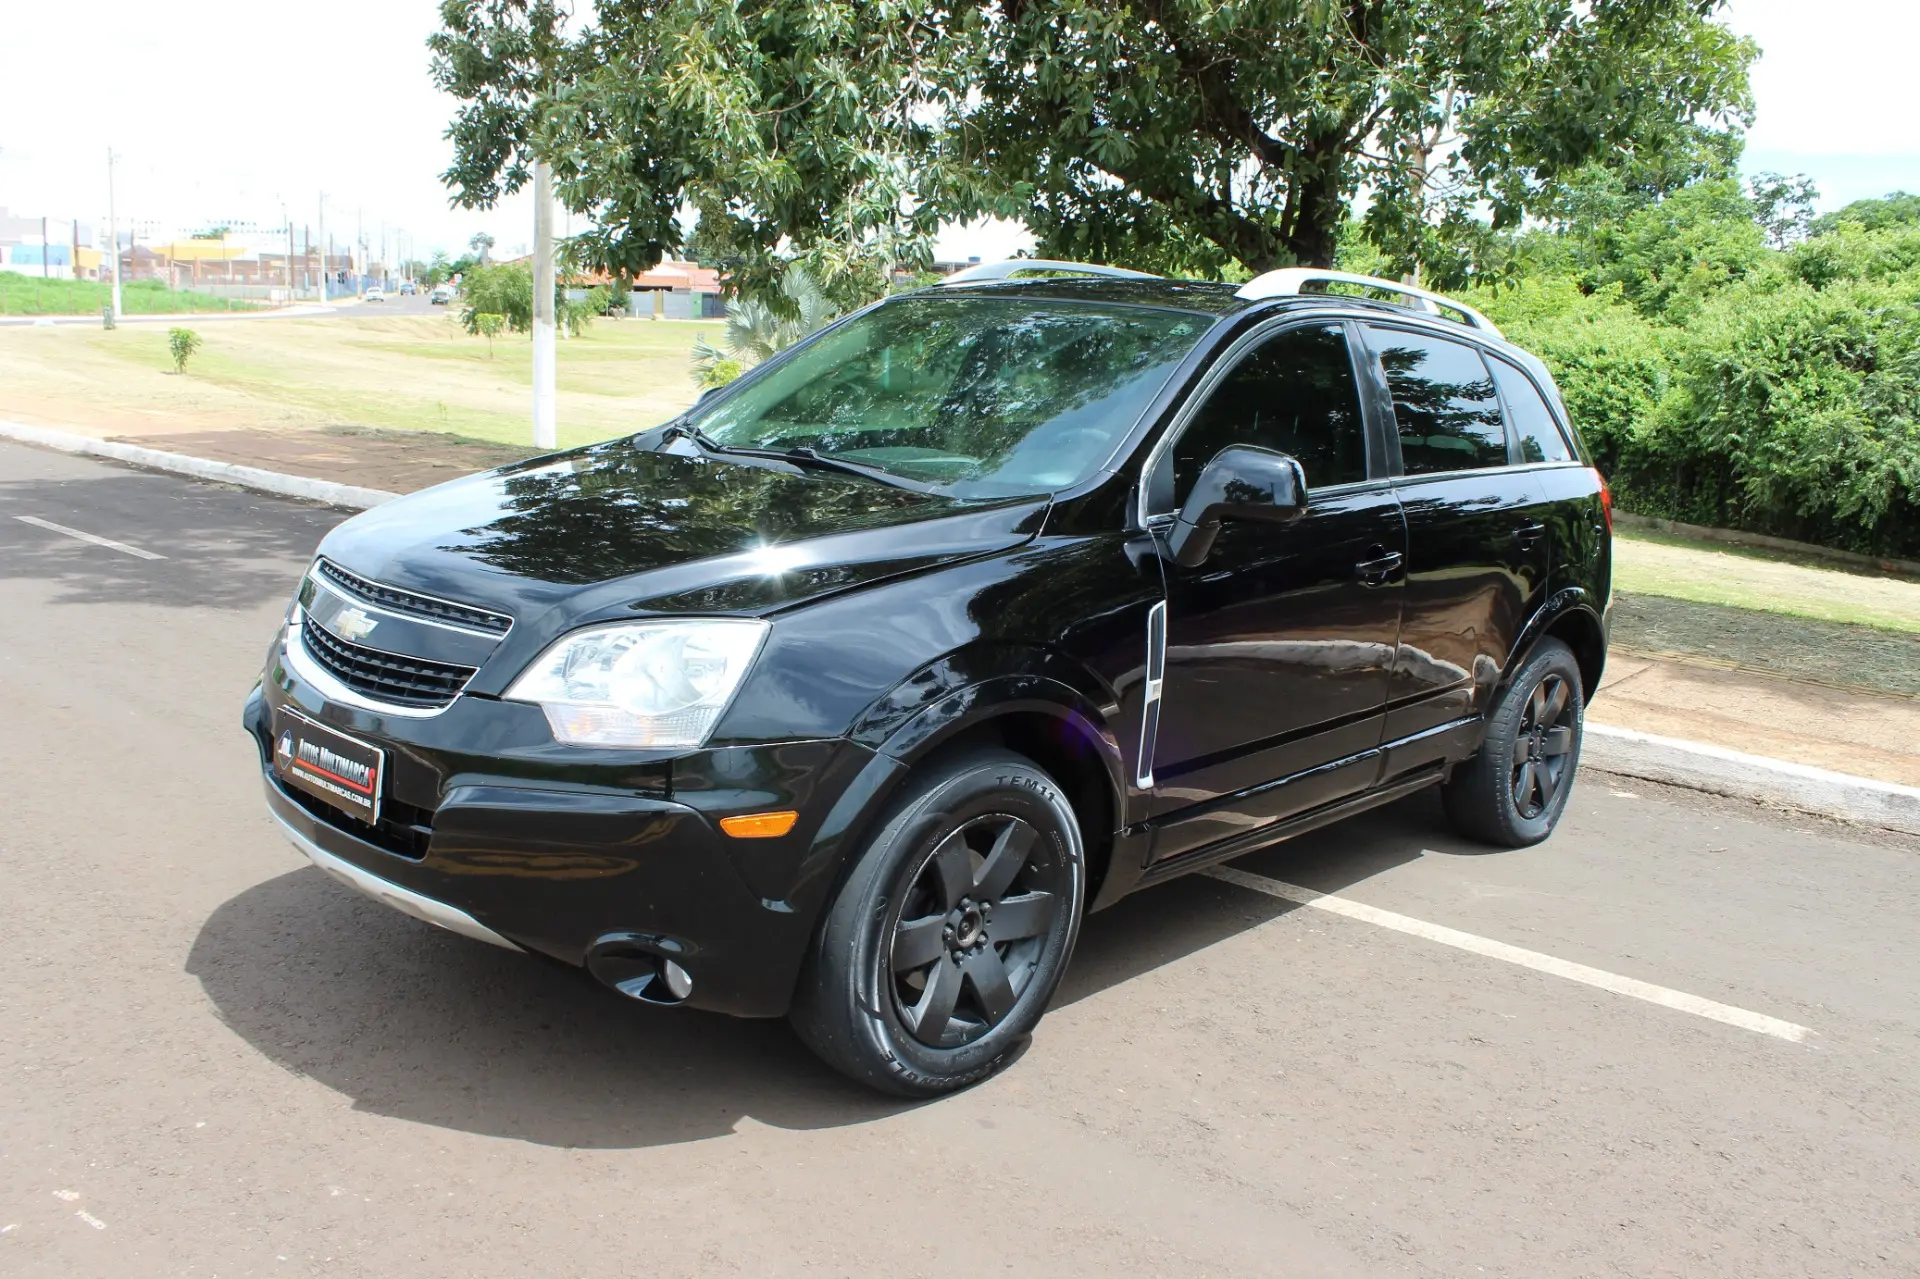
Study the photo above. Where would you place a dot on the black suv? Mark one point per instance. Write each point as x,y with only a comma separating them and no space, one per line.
846,694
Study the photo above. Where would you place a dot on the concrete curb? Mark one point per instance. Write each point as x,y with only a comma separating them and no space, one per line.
1719,771
347,495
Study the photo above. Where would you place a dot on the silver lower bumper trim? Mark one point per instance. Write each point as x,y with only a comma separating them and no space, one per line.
404,900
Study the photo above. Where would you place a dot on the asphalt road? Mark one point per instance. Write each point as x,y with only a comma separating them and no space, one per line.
217,1061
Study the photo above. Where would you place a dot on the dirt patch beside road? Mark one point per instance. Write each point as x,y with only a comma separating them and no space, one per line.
398,461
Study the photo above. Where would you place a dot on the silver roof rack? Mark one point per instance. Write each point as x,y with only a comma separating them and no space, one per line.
987,272
1294,280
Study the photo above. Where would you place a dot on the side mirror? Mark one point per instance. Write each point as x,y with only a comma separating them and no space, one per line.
1241,483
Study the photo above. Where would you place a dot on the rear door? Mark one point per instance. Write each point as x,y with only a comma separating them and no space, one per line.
1477,536
1570,506
1277,648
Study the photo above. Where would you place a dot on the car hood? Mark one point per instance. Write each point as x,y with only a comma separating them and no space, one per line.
617,527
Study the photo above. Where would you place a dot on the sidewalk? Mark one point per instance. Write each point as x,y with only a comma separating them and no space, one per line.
1842,730
1695,697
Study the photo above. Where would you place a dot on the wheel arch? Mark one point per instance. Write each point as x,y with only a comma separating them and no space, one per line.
1570,617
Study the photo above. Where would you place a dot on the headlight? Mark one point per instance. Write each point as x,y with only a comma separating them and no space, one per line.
641,685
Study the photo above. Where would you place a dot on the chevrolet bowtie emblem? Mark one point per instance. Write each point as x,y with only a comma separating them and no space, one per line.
354,624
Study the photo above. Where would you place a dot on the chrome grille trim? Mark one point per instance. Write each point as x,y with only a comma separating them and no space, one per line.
411,604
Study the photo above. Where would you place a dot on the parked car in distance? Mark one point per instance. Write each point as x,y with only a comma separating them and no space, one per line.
845,695
374,294
441,295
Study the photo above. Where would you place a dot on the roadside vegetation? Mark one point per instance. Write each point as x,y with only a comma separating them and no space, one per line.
31,295
1732,361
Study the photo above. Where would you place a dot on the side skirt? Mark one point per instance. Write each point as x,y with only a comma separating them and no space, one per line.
1298,824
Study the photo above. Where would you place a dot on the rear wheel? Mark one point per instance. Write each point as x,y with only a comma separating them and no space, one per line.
944,945
1513,792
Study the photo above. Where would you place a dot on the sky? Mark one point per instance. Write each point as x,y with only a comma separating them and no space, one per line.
248,108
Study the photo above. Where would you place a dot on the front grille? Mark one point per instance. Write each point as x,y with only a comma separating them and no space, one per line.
423,606
383,676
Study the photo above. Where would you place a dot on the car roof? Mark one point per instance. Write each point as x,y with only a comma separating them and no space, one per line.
1223,300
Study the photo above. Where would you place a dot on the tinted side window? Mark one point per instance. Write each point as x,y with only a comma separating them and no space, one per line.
1533,424
1295,394
1443,402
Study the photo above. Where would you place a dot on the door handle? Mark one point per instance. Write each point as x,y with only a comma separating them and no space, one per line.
1381,570
1528,534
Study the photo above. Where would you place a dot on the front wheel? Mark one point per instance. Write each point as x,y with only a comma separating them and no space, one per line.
1512,793
939,955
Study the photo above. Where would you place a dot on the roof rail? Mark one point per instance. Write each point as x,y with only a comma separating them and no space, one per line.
1293,281
988,272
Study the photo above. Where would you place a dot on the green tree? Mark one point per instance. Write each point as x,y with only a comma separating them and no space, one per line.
804,126
505,289
481,244
488,325
1784,207
1896,209
1181,134
755,330
181,344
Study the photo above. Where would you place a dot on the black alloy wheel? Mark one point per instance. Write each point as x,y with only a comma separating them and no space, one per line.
969,937
1542,749
952,927
1513,791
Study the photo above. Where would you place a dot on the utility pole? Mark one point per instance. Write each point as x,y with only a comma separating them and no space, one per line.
545,417
113,237
323,248
46,250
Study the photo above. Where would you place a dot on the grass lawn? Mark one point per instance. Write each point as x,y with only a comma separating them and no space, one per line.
408,373
31,295
1767,581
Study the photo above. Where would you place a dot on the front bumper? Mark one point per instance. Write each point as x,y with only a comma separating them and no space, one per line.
404,900
521,843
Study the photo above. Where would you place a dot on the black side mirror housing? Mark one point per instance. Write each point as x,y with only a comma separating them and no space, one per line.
1241,483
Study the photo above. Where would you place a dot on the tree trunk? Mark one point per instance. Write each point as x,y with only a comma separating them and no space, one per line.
1320,215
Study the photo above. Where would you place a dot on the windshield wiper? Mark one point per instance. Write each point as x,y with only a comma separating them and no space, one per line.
687,431
804,456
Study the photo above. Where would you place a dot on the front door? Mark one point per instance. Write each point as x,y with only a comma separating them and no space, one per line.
1278,646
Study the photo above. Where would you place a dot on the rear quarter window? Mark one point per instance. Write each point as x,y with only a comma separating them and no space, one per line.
1534,426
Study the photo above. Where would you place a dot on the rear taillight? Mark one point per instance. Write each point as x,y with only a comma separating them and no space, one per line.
1606,498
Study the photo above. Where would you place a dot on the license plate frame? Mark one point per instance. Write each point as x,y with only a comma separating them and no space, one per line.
336,768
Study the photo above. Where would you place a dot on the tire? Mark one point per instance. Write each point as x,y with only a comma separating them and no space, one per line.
1511,793
940,952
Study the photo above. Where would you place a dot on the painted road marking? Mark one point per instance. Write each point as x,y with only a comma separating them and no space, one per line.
1679,1000
107,542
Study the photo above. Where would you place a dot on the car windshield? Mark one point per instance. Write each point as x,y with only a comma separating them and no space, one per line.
970,396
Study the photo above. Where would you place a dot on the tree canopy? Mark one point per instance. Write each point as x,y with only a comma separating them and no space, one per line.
1208,136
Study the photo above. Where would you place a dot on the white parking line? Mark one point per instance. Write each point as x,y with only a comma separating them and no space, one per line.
107,542
1596,977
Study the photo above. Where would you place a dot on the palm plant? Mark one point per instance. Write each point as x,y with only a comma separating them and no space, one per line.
755,330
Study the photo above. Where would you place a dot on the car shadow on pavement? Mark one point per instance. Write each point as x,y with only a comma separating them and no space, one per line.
432,1028
223,547
1161,925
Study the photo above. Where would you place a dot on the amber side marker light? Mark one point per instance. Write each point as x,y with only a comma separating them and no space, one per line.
759,825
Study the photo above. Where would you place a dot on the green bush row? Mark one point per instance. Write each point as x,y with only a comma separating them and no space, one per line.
1722,382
